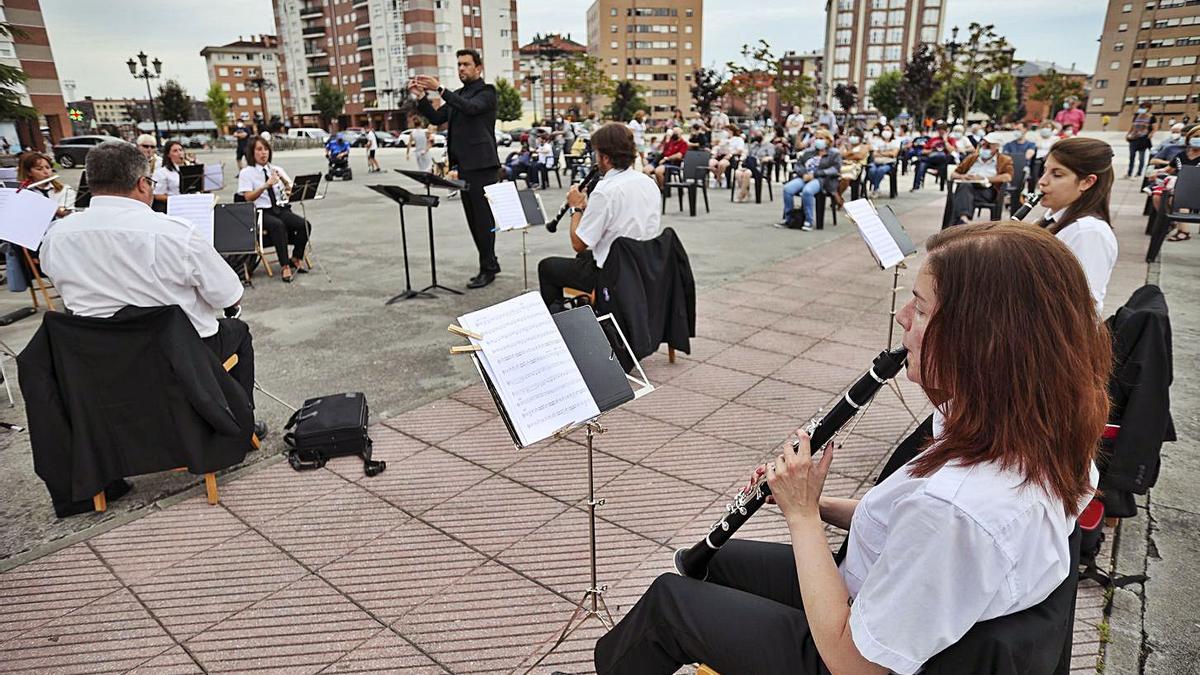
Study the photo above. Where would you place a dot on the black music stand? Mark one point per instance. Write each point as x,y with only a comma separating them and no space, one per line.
191,179
404,198
431,181
83,196
304,189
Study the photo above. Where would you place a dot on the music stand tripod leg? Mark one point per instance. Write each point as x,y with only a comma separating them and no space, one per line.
312,250
433,282
591,605
408,293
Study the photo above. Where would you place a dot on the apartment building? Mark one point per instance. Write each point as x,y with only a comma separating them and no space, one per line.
370,49
31,52
1149,54
657,46
248,71
866,38
542,77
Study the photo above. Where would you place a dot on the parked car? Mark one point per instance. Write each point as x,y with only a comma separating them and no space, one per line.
71,151
405,138
355,136
503,138
309,132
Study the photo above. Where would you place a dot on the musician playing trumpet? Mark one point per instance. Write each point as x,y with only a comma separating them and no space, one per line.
974,527
624,204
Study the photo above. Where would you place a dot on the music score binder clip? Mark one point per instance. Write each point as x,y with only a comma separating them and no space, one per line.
463,332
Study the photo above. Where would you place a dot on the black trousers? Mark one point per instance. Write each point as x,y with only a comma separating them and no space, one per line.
746,618
233,337
966,195
555,274
479,216
285,226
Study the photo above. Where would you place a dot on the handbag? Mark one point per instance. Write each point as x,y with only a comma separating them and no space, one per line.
327,427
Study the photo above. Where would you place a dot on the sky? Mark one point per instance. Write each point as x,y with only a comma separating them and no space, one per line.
92,39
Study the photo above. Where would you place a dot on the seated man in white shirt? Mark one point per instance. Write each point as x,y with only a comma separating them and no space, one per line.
625,203
119,253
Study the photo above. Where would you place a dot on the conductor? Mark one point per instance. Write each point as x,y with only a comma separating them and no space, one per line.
470,114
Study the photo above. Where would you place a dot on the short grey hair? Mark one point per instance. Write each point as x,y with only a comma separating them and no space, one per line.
115,167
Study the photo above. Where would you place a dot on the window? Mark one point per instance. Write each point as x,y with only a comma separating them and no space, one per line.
874,53
612,45
223,72
899,4
930,17
237,72
612,28
895,35
891,52
841,70
874,69
688,45
477,32
878,4
1097,101
1126,8
466,10
240,87
842,37
687,28
845,19
879,19
612,12
612,61
467,31
1115,65
687,61
242,100
896,17
1101,84
841,54
687,12
929,34
1118,46
225,86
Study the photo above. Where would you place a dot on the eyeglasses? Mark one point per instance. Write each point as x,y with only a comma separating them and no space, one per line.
152,182
150,147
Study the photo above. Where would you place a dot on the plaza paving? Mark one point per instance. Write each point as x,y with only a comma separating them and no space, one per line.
466,555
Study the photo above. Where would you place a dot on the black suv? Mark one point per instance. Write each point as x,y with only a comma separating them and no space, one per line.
70,152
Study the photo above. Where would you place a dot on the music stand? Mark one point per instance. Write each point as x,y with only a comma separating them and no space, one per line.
235,231
304,188
431,181
609,386
83,196
191,179
533,213
404,198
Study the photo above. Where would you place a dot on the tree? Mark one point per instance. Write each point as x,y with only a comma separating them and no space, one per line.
1004,87
584,74
708,86
984,53
847,96
885,93
173,102
919,82
217,102
11,106
508,101
792,89
1054,88
626,100
328,102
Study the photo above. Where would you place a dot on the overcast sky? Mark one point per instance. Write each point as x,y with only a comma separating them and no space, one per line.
93,39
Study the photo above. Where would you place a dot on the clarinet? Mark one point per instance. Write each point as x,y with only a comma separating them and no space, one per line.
589,182
1031,200
693,562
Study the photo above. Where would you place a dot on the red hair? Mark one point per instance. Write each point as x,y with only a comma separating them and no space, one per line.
1016,348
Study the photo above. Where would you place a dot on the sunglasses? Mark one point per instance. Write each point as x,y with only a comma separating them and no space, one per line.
151,147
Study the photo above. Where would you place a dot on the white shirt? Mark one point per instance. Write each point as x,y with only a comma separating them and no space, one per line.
638,129
166,182
984,168
794,122
545,153
119,253
930,557
1094,244
626,203
251,178
1043,145
736,145
372,141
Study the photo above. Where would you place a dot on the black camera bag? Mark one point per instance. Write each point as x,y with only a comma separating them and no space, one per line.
330,426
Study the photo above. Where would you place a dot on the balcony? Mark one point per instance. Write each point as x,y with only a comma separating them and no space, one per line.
313,31
364,43
318,71
366,66
311,10
360,4
315,53
368,85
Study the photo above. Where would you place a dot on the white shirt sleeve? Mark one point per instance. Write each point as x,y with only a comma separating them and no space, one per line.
160,180
937,574
246,180
595,216
1096,252
213,278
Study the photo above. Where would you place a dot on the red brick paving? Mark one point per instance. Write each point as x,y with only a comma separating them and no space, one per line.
467,554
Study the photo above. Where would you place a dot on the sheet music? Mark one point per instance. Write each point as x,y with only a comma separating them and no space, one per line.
875,233
25,216
506,206
214,177
527,360
197,208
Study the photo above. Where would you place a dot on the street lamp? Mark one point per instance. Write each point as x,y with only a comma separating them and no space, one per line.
532,80
146,75
261,85
952,47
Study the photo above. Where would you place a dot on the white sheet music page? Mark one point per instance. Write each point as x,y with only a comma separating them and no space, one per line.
197,208
528,362
506,205
25,216
214,177
883,246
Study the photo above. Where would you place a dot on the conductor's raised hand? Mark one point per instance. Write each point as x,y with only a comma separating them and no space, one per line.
429,82
796,481
576,198
415,88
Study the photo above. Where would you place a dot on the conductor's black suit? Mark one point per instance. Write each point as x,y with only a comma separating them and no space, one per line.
470,114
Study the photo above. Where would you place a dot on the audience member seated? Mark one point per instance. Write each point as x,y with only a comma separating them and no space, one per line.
545,159
674,148
730,148
1021,145
701,138
819,169
933,155
855,151
959,146
1166,151
267,186
885,149
980,177
759,158
625,203
521,163
119,253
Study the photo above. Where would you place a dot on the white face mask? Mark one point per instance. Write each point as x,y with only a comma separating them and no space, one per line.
854,140
887,135
1044,133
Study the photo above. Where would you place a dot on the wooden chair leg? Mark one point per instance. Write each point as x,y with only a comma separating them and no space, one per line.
210,486
262,256
670,354
254,441
705,670
100,502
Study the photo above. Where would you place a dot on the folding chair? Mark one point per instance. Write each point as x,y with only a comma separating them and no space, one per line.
691,176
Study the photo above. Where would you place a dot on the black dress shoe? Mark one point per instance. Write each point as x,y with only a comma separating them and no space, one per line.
482,280
260,429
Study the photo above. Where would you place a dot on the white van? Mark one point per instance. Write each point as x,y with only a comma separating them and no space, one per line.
308,132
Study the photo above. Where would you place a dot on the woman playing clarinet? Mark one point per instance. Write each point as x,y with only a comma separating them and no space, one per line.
1002,337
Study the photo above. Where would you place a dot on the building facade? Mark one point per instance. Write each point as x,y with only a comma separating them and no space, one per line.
31,52
1149,54
370,49
657,47
866,38
248,71
541,77
1029,76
